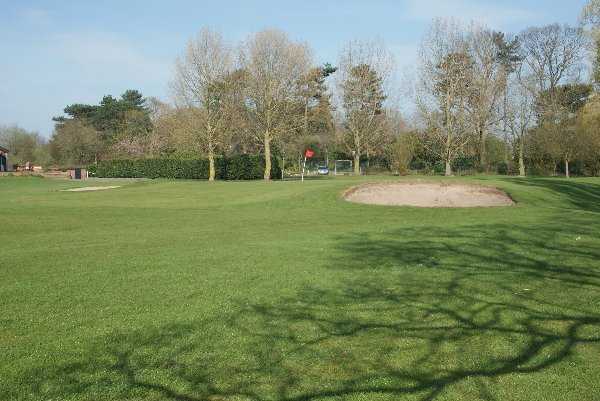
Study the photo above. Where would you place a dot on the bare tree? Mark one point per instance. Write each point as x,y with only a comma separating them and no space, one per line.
591,13
520,115
274,65
552,54
444,89
364,71
551,57
200,76
487,84
590,21
510,62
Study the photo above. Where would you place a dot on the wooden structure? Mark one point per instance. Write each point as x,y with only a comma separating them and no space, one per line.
78,174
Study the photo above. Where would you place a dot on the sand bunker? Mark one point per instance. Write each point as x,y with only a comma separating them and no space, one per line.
428,194
85,189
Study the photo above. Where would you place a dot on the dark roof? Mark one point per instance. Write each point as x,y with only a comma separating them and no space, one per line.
3,149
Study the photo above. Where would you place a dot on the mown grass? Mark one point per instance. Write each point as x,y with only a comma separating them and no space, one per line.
164,290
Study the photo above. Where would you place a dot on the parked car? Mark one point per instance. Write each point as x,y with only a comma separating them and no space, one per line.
323,170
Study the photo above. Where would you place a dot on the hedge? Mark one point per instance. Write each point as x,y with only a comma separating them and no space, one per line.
239,167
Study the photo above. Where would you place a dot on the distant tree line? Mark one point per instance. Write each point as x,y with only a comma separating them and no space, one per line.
483,100
24,146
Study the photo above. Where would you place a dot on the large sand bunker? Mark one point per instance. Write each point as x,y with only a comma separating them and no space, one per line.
428,194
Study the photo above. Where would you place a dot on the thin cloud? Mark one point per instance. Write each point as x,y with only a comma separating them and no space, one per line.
34,16
104,55
492,14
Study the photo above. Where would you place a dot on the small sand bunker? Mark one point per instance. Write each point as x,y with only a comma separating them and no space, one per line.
85,189
426,194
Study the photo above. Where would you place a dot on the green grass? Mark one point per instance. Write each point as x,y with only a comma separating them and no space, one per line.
186,291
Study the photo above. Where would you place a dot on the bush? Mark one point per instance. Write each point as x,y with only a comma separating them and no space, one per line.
401,153
239,167
464,164
249,167
503,168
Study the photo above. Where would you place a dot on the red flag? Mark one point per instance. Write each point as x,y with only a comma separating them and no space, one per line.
309,153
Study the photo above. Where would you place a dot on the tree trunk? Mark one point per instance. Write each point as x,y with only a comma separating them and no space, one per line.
482,150
567,174
211,166
448,151
521,161
506,149
448,168
306,118
267,157
357,163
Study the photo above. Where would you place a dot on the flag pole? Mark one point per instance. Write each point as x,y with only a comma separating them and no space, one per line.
303,167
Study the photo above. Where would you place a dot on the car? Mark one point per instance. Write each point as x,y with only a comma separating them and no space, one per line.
323,170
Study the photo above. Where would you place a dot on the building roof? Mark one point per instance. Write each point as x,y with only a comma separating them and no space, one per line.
3,149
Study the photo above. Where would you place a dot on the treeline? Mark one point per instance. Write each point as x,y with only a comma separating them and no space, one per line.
25,146
482,100
528,89
111,129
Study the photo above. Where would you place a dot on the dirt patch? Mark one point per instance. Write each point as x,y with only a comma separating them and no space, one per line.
428,194
86,189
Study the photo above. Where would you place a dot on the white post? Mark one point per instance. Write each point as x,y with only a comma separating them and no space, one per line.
303,167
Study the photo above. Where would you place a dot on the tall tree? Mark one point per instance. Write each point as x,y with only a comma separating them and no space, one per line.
590,18
318,121
487,85
75,143
559,122
510,61
519,115
119,123
200,84
552,55
274,65
552,58
363,107
365,68
445,88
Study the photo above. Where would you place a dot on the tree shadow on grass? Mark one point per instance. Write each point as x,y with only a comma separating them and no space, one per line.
581,195
418,314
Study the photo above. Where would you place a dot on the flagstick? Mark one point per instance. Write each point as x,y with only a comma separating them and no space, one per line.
303,167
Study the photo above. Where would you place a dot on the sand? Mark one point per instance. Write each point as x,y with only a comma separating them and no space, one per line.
428,194
86,189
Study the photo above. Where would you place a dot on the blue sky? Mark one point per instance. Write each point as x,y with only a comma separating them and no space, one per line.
54,53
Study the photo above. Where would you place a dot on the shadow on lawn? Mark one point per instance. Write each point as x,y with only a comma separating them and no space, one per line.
582,195
420,313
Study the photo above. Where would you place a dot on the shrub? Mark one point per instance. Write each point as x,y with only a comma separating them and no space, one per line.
503,168
239,167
